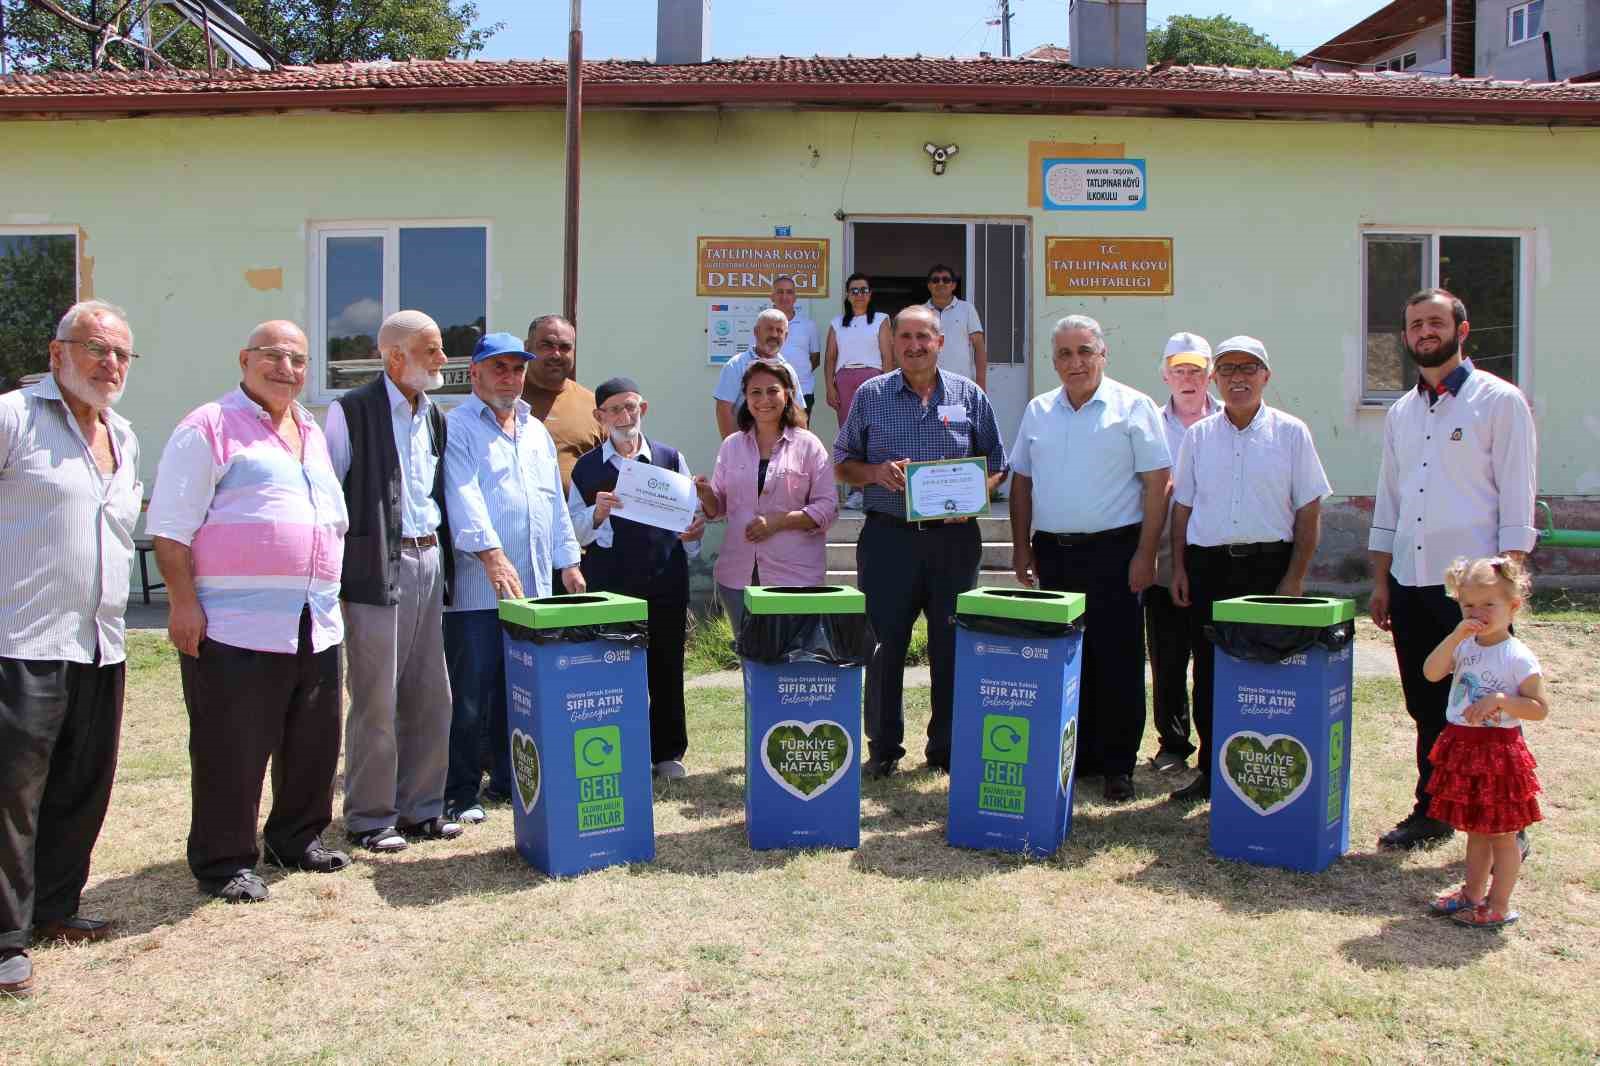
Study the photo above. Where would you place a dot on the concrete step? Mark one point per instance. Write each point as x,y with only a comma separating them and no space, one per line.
996,556
1000,579
846,529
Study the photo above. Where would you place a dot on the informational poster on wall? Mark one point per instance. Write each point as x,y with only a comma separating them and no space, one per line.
1108,266
730,328
1094,184
747,266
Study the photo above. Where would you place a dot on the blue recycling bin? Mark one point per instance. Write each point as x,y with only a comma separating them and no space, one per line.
802,650
1014,733
578,722
1280,734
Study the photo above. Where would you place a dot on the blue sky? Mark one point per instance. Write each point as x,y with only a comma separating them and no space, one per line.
626,28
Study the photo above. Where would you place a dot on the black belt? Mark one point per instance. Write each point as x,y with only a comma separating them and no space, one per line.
1238,551
1074,540
884,518
419,543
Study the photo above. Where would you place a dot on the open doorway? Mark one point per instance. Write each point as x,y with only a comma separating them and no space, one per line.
990,258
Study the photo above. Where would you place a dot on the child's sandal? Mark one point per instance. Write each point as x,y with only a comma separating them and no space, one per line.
1451,903
1481,917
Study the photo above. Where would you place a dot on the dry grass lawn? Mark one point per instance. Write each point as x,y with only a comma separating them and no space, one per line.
1132,944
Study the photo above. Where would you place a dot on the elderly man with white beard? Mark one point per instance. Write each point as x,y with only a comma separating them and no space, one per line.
510,530
69,498
634,559
387,442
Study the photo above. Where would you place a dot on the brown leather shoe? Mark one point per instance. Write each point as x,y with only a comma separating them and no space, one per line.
76,930
16,975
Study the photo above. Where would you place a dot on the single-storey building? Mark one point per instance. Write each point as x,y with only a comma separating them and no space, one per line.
1297,206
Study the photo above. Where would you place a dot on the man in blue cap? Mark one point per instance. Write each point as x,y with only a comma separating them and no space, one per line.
510,530
639,560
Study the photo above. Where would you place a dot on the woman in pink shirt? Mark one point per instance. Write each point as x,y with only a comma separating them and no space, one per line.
774,482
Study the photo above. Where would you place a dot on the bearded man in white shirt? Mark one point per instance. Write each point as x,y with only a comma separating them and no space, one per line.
1458,479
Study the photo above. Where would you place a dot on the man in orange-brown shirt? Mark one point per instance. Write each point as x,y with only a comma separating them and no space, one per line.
565,407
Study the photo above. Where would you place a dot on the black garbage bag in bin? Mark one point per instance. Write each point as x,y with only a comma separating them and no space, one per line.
624,631
836,639
1268,642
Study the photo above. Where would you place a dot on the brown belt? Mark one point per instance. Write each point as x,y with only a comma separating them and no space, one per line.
419,543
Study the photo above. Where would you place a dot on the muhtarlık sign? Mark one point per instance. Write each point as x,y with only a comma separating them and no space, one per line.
746,266
1108,266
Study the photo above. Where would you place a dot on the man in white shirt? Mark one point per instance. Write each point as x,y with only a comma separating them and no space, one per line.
770,332
1088,499
1186,371
965,351
1457,480
1246,515
802,347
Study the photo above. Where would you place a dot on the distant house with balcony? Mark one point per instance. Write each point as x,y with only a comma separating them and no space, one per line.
1534,40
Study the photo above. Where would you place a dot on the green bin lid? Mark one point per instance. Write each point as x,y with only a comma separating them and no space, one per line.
584,609
1033,605
1284,610
804,599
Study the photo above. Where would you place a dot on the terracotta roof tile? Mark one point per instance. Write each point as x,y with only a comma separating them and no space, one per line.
1016,84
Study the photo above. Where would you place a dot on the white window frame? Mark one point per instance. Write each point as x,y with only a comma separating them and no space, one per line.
1523,10
1404,61
77,254
389,229
1525,264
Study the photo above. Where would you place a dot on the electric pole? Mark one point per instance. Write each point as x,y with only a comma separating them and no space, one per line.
1004,22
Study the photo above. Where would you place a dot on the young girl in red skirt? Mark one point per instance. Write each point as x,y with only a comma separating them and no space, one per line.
1483,781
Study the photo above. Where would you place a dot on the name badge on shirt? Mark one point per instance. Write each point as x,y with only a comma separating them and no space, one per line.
953,412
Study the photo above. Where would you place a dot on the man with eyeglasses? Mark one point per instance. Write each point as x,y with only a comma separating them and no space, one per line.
1458,479
1088,498
1246,515
802,347
769,336
965,352
387,442
69,500
1185,370
249,523
512,535
565,407
637,560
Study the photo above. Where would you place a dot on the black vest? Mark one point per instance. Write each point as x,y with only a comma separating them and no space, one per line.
642,561
372,490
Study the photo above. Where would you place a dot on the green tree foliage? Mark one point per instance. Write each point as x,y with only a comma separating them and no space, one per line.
299,31
38,279
1215,41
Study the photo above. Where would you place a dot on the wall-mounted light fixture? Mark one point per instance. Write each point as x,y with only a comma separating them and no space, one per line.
941,154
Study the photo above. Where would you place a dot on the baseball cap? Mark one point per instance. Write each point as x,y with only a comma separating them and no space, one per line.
494,344
1247,345
1187,349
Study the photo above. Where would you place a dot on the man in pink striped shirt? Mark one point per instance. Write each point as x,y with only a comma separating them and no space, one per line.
249,521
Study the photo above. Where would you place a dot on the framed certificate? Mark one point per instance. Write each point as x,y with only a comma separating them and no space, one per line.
947,488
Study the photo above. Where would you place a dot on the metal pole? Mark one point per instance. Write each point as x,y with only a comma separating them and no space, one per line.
569,288
1549,57
1005,28
2,40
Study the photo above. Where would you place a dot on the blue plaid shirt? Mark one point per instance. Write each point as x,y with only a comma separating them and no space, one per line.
889,421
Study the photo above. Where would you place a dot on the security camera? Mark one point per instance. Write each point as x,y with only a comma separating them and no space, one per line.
940,154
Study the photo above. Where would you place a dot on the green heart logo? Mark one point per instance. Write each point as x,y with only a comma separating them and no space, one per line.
1069,753
1267,772
806,758
525,769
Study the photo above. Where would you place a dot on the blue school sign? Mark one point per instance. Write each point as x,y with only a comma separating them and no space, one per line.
802,769
1280,748
579,729
1014,734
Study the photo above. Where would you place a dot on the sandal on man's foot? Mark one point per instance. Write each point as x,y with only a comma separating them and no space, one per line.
1456,900
432,829
1481,917
382,840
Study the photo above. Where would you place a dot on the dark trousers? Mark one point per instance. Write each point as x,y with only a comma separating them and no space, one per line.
1111,686
1166,636
669,729
244,708
475,659
59,724
904,572
1215,575
1420,619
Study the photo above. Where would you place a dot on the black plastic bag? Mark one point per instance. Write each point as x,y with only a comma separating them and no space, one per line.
1017,627
1259,643
636,634
833,639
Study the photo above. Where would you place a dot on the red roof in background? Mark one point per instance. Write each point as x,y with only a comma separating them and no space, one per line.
999,85
1377,33
1053,53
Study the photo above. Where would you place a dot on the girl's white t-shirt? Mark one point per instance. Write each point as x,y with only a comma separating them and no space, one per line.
858,342
1501,667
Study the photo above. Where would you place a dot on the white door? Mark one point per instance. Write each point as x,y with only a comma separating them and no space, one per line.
997,264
